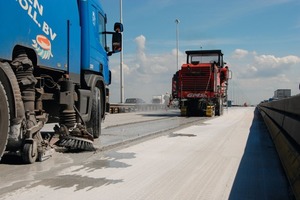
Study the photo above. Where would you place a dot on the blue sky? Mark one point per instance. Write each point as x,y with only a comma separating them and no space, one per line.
260,40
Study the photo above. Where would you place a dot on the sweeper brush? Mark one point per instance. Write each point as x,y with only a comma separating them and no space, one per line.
75,143
76,139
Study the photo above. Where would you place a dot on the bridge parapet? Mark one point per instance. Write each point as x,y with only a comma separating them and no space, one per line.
124,108
282,118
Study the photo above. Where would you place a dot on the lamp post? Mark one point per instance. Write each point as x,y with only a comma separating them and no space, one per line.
121,62
177,45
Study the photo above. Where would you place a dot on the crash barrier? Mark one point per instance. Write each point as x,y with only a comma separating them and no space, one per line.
282,118
125,108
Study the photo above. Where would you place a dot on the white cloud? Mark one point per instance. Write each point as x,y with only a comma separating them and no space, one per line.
252,69
146,74
250,65
259,76
273,61
140,41
239,53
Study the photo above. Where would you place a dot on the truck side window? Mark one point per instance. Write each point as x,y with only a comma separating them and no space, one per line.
101,29
101,21
98,23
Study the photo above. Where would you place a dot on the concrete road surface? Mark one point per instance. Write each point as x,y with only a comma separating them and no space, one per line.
228,157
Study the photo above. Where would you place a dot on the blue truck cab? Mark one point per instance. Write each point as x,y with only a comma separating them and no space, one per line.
53,68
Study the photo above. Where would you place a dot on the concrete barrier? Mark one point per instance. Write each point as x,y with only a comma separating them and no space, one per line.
124,108
283,121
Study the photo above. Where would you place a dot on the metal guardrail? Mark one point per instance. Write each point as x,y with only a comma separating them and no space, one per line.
125,107
282,118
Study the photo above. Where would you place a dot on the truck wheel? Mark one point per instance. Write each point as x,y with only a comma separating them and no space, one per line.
219,107
29,152
4,119
94,125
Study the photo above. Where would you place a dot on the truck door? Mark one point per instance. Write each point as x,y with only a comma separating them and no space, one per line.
98,56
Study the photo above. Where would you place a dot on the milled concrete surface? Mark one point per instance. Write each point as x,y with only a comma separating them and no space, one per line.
228,157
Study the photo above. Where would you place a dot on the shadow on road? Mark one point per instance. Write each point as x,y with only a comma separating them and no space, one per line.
260,174
12,159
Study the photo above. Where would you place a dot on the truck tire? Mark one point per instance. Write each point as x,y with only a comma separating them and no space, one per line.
29,152
4,119
219,107
94,125
14,106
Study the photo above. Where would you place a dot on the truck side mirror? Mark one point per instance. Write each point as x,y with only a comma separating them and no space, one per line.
118,27
117,42
116,38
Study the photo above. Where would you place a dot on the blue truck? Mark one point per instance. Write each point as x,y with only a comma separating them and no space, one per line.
53,69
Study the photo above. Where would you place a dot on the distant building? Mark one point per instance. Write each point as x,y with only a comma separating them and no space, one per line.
282,93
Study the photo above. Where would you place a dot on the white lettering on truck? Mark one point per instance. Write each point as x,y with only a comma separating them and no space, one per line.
196,95
48,31
32,13
35,11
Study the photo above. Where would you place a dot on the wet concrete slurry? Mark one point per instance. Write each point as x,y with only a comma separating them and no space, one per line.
142,125
117,131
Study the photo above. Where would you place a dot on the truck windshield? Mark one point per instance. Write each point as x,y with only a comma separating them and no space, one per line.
204,58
